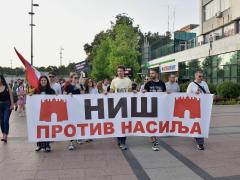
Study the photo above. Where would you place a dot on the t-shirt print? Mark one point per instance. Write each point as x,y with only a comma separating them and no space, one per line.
122,90
155,89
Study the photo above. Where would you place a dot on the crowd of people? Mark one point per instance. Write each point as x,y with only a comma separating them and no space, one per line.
13,96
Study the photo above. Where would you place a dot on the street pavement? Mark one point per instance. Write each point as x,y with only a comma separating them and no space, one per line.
178,158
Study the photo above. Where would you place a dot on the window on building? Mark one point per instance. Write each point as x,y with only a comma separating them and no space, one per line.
211,9
238,26
215,72
215,6
226,69
220,74
229,30
206,38
234,70
216,68
229,62
207,69
224,4
218,34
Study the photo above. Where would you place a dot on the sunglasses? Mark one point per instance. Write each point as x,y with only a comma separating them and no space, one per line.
51,76
146,79
200,76
75,77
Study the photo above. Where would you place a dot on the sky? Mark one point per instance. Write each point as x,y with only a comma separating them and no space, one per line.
72,23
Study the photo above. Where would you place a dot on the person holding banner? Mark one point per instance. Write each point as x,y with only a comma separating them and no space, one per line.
105,86
54,85
121,84
6,106
198,86
172,86
44,88
72,89
154,85
146,79
90,89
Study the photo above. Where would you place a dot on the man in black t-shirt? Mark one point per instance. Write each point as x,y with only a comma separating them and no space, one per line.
154,85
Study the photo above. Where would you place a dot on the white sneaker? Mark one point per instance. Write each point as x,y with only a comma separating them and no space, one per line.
71,147
200,147
123,147
155,147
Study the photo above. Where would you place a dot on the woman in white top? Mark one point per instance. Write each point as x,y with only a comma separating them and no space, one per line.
144,82
90,89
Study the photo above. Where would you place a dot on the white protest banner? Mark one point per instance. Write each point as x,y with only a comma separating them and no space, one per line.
89,116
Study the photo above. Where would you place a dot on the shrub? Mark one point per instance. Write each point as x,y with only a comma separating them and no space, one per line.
228,89
183,87
212,88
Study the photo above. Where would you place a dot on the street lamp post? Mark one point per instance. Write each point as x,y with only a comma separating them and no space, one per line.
61,49
31,14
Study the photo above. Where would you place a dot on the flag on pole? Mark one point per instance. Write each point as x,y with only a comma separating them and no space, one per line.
31,73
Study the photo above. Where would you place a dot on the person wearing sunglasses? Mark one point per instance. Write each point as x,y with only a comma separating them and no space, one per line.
54,85
72,89
146,79
198,86
155,84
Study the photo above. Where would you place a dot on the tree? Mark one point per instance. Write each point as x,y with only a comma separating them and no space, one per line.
71,67
9,71
155,37
101,61
117,46
124,49
91,49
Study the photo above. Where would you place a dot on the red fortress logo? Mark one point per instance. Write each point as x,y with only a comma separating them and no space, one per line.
48,107
183,104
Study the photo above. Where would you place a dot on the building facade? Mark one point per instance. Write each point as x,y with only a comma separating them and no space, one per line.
217,50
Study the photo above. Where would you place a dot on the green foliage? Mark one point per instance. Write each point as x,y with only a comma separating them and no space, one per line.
212,88
183,86
117,46
101,61
124,49
9,71
62,70
91,49
228,102
228,89
156,38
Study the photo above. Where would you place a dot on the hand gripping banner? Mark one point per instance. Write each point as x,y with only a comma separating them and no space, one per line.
64,117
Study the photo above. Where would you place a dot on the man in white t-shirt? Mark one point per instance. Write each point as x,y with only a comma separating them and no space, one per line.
54,85
198,86
121,84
